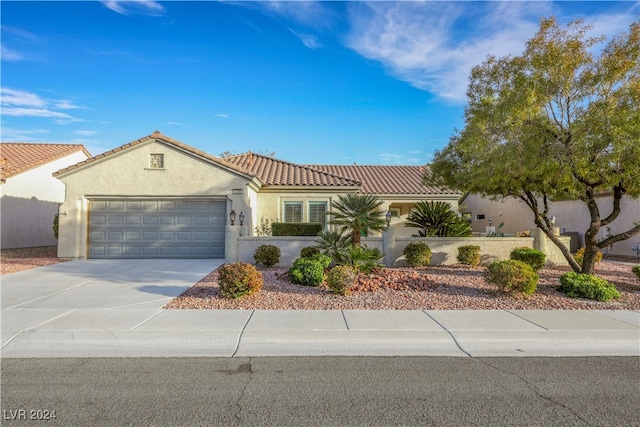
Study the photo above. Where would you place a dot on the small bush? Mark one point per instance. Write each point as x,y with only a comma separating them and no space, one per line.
577,285
361,258
533,257
636,271
340,279
308,252
267,255
296,228
418,254
239,279
56,222
512,276
580,255
309,271
469,255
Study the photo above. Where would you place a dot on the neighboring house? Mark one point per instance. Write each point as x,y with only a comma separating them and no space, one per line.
157,197
30,195
572,216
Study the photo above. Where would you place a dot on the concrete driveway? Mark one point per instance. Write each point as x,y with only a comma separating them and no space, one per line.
82,284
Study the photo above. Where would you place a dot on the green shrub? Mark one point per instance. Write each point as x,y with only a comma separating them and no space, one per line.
361,258
469,255
56,222
340,279
309,271
296,228
533,257
267,255
577,285
580,255
512,276
636,271
418,254
308,252
239,279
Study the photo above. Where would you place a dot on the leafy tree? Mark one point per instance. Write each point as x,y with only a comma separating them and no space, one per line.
437,219
557,122
357,214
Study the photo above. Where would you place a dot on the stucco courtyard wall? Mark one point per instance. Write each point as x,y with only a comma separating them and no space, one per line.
444,249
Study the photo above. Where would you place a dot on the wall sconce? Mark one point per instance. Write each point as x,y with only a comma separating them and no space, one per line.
553,221
490,221
387,216
232,217
241,217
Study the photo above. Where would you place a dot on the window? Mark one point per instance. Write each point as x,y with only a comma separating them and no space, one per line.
395,212
318,212
292,211
156,161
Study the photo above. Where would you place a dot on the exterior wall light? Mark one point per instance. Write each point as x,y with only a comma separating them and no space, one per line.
387,216
553,221
232,217
241,217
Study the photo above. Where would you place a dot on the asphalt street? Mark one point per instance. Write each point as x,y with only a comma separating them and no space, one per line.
319,391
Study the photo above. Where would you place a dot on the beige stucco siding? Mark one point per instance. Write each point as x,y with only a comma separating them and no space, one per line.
29,203
127,175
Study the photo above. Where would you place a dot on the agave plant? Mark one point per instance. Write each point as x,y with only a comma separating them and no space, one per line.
437,219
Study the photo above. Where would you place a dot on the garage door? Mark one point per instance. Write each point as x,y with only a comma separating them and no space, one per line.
156,229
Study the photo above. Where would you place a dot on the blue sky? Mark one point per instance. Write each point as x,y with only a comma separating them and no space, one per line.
314,82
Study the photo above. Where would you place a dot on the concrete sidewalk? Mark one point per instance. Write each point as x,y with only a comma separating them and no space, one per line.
154,332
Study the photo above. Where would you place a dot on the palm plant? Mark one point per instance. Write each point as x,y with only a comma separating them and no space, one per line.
357,214
437,219
333,244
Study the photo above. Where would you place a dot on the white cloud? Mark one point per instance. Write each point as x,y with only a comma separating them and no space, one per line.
85,132
222,115
135,7
10,55
309,40
18,103
399,159
175,123
22,135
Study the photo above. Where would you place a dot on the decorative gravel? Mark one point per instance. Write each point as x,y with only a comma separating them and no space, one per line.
454,287
14,260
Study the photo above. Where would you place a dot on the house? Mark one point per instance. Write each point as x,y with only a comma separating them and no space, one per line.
571,216
29,194
158,197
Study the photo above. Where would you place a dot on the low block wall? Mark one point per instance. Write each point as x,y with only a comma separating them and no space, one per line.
444,249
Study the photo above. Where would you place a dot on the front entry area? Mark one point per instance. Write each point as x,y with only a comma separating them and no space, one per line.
163,228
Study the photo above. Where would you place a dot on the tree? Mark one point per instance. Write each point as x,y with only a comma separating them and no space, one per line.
557,122
357,214
437,219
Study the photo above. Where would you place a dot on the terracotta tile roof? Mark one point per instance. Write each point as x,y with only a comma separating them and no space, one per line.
160,137
386,179
278,172
18,157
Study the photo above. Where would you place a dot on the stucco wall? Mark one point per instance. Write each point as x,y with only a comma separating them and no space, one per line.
29,203
127,174
571,216
444,249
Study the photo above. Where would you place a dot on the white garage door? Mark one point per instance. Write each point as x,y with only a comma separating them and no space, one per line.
156,229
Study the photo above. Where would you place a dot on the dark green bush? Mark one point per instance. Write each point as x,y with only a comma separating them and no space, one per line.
308,252
239,279
296,228
309,271
636,271
418,254
267,255
533,257
577,285
56,222
512,276
340,279
469,255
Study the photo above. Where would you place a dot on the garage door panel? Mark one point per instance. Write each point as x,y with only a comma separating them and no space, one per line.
157,229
